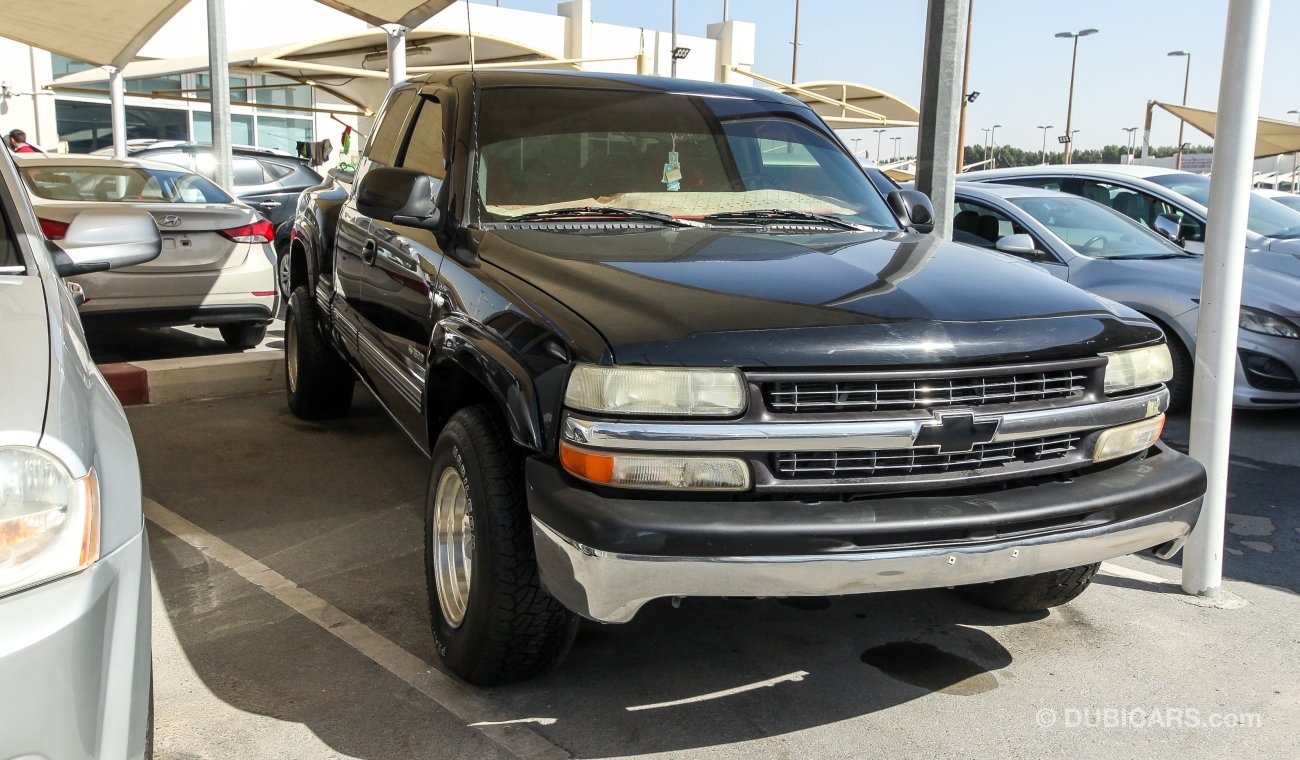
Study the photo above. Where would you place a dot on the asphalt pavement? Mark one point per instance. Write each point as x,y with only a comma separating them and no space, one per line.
292,622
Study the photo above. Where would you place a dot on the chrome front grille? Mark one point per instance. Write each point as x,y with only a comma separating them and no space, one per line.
825,465
814,395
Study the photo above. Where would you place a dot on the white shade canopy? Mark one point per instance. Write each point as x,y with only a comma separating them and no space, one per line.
1273,137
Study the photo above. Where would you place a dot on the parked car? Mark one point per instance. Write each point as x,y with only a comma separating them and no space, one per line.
1107,253
1290,200
216,268
663,338
75,657
1170,202
268,180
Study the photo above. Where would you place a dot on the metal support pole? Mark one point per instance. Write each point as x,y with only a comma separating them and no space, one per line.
672,54
1225,257
219,77
1146,131
117,109
1187,75
794,60
941,96
965,90
396,54
1069,109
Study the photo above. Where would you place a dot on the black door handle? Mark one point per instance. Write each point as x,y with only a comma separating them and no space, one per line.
368,252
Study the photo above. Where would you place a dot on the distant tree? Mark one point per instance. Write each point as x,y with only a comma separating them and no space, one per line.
1009,155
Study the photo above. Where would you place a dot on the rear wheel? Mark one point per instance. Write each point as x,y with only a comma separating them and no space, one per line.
1032,592
243,335
284,272
317,380
493,622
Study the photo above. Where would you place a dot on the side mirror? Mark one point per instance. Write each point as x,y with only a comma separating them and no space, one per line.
1171,227
97,241
400,196
1018,245
913,208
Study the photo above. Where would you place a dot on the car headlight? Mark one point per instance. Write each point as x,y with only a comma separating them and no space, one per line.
1267,323
676,391
1138,368
49,520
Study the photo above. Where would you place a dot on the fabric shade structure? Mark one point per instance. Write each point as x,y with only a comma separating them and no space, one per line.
103,33
1273,138
408,13
848,105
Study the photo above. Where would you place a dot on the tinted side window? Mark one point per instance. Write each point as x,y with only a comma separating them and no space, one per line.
386,140
1047,183
276,171
977,224
247,171
424,152
1140,206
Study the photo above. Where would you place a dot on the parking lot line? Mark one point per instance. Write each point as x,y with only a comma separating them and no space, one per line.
514,737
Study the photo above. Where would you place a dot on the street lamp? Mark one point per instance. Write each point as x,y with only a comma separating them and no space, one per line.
878,132
993,141
898,144
1069,111
856,140
985,144
1045,128
1132,138
1293,187
1187,73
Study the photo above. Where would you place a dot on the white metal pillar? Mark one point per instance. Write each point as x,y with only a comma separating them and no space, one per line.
1225,258
396,54
219,95
116,109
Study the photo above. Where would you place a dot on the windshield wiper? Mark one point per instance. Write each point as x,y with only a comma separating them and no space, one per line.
779,215
594,212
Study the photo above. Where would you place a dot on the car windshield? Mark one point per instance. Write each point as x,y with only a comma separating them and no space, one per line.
1290,201
684,156
1096,231
122,184
1266,217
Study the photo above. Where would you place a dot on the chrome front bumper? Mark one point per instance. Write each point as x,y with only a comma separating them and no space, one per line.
611,587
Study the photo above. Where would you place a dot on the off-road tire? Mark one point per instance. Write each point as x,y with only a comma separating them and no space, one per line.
1032,592
319,386
512,628
243,335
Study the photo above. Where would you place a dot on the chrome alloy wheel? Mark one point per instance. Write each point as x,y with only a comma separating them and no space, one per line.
291,352
453,545
284,273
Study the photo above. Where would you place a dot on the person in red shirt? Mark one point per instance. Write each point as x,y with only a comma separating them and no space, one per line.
18,142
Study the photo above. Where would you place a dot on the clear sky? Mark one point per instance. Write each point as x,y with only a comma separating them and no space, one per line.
1019,68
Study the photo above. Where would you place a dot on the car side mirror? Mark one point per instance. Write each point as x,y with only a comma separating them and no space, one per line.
97,241
400,196
1171,227
1018,245
913,208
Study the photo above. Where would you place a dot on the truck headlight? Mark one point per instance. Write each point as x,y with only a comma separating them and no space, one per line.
675,391
1128,439
1267,323
49,521
655,471
1139,368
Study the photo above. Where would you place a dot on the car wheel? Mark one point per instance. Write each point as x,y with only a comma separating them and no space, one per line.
284,273
1032,592
1180,388
243,335
317,380
493,623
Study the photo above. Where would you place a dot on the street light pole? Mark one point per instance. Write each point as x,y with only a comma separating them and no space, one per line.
1293,187
1069,110
856,140
898,145
673,56
993,141
985,144
965,91
794,60
1132,137
1187,74
879,133
1045,128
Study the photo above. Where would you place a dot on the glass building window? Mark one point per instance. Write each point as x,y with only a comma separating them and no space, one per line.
283,133
88,126
238,88
292,94
241,128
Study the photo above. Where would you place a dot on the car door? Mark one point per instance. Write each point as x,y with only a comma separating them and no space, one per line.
1142,206
353,248
981,224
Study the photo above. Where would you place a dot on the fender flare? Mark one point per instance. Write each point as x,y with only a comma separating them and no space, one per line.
493,365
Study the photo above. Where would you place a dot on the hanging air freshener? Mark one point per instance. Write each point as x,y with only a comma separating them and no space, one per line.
672,178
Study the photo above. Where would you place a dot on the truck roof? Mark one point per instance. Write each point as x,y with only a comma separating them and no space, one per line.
604,81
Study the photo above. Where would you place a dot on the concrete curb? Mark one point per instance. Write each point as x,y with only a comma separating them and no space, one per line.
168,381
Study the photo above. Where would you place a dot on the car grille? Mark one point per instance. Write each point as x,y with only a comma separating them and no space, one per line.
905,394
926,461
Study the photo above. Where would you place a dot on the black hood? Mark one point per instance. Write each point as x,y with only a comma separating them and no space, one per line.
704,296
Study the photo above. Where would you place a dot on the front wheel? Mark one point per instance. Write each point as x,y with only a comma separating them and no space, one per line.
317,380
493,623
243,335
1031,593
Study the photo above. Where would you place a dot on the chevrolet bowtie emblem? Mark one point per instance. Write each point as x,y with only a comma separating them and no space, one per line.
956,432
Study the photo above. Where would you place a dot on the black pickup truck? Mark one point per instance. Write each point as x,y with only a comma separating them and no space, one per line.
664,339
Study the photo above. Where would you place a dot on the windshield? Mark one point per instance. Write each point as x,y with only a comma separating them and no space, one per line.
1266,217
122,184
1290,201
1096,231
684,156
